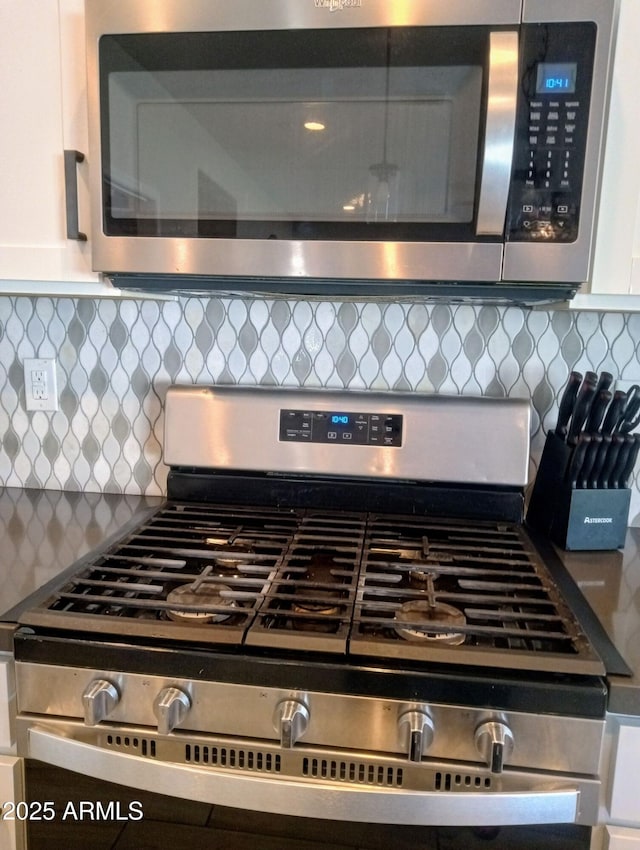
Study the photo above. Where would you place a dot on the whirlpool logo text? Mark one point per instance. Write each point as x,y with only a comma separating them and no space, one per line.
337,5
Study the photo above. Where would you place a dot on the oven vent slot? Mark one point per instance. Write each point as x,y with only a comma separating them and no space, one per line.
230,757
460,782
357,772
132,742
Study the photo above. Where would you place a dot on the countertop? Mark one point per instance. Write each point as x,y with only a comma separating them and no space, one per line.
610,581
43,532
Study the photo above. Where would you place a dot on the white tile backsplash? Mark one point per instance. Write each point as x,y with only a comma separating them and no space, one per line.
116,359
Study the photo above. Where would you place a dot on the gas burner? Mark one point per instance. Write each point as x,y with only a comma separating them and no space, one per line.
314,597
422,577
202,593
414,618
231,553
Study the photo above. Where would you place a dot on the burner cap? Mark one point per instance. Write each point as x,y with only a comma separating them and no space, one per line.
231,553
419,614
203,594
324,609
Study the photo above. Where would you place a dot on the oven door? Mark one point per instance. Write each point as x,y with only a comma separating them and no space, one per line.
155,820
244,139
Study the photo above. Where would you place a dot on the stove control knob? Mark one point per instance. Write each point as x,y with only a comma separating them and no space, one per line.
290,720
494,741
416,729
99,699
170,708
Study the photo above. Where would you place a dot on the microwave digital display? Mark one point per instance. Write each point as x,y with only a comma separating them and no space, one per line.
556,78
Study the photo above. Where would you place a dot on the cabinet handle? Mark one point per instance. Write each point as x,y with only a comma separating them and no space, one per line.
71,159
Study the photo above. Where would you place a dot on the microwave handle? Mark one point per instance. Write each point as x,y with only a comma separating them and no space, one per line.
500,133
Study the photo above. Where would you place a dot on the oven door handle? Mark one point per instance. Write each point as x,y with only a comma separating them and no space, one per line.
502,97
333,801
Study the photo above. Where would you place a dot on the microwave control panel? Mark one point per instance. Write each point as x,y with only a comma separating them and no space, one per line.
341,428
552,121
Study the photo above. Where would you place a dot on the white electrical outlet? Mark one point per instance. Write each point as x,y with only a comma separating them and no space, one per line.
40,384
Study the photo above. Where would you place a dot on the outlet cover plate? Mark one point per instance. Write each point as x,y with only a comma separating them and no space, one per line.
40,384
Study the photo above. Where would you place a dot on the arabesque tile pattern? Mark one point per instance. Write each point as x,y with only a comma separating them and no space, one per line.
116,359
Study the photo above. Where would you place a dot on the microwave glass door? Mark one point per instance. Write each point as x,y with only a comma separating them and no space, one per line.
301,134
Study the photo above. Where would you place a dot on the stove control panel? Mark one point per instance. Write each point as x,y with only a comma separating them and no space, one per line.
341,427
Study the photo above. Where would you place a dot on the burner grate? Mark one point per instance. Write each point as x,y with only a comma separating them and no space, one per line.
310,600
364,584
474,593
187,567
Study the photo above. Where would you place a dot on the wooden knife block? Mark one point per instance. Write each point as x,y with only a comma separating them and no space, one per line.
572,517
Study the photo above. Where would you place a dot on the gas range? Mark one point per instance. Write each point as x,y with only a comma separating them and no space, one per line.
337,597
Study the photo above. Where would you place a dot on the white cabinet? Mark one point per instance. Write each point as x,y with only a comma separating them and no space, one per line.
7,703
12,828
616,268
43,108
623,803
620,838
13,831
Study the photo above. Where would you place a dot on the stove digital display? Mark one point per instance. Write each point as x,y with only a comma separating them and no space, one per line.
362,429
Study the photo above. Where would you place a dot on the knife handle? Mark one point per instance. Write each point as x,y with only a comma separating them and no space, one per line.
604,381
598,408
581,410
589,460
631,462
577,459
567,403
621,460
596,471
610,461
616,409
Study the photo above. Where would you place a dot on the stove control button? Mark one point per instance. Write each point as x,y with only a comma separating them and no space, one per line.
99,699
416,728
170,708
494,741
290,720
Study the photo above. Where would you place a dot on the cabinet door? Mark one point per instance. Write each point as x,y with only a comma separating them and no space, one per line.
619,838
616,268
13,832
7,704
42,53
75,135
624,805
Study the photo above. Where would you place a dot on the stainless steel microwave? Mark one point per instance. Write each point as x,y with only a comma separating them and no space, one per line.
362,147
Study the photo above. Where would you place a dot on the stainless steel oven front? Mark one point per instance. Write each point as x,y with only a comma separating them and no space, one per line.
323,145
328,619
